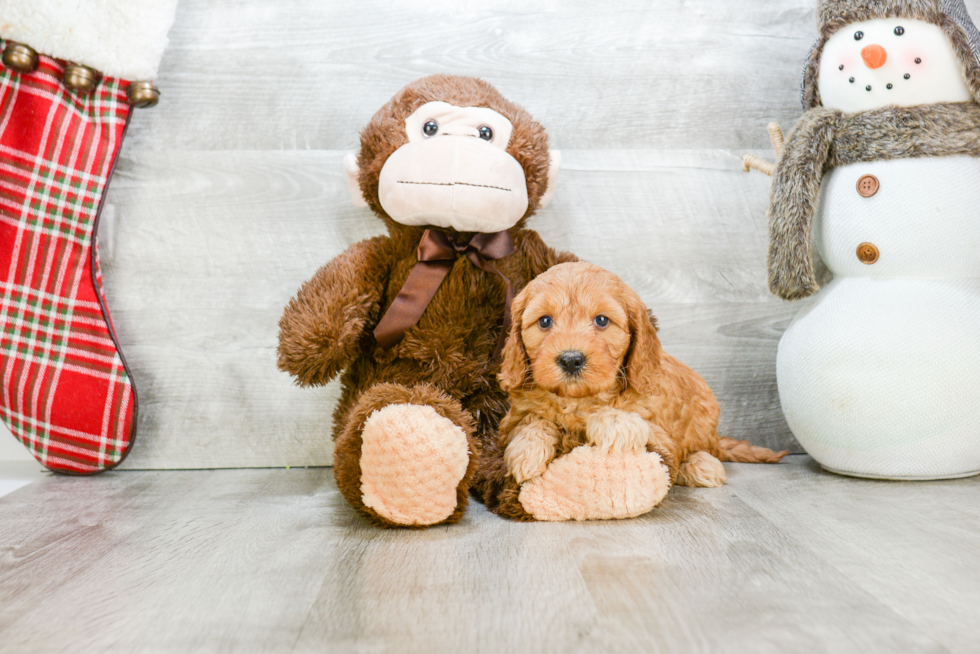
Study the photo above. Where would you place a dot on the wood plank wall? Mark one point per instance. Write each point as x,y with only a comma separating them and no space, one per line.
229,194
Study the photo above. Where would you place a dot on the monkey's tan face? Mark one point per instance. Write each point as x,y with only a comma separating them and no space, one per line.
454,171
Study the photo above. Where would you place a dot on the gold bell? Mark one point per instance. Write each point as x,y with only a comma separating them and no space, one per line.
19,57
143,94
80,79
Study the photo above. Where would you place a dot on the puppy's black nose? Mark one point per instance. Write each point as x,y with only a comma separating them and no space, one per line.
571,362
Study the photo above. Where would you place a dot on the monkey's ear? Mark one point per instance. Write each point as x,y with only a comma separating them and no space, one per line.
350,164
554,164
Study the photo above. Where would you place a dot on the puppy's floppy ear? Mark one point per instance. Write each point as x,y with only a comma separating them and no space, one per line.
642,361
515,367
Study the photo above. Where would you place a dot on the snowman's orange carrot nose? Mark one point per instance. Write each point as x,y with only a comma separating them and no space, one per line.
874,56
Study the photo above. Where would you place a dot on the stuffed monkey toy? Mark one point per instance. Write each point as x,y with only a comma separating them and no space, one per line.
879,374
414,321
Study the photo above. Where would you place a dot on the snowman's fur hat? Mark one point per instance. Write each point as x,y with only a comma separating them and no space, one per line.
950,15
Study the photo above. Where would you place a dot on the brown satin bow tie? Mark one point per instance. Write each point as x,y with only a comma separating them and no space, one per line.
436,256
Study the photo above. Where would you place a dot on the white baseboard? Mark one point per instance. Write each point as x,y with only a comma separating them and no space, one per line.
17,474
12,449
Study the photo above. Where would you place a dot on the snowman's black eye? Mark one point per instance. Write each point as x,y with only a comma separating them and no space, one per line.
899,30
841,67
918,61
858,36
601,321
545,322
486,133
430,128
851,80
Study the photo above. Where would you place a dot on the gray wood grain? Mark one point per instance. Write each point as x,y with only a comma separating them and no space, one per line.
302,74
229,194
209,246
784,558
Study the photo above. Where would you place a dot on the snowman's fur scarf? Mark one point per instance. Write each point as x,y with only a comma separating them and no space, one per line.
832,15
826,138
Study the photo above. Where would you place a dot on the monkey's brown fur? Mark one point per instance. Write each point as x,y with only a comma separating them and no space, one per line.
446,360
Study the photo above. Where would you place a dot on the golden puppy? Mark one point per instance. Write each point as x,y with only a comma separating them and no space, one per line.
584,367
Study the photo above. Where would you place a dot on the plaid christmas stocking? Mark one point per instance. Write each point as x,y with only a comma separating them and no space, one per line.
65,389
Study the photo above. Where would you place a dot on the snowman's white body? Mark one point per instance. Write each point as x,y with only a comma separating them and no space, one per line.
880,375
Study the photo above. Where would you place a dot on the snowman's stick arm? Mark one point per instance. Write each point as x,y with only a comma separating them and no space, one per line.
750,161
776,136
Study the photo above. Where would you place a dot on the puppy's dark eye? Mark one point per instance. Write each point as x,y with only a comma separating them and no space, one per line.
899,30
486,133
858,36
545,322
430,128
601,321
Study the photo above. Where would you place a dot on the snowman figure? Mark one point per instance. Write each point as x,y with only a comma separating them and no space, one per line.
879,374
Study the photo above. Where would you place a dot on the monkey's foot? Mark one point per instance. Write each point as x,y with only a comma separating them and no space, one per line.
586,484
412,460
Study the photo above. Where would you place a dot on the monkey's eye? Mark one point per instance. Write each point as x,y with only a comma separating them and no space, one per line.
601,322
486,133
430,128
858,36
899,30
545,322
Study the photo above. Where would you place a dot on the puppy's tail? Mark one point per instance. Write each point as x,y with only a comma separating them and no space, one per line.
745,452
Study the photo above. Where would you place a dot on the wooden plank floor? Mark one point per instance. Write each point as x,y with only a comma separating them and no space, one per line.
783,559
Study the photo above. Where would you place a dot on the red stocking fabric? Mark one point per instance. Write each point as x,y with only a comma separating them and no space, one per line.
65,390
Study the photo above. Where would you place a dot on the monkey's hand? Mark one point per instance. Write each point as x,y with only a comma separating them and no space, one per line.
613,431
320,330
531,449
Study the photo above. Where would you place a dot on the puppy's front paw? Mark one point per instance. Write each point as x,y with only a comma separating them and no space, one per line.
614,431
529,453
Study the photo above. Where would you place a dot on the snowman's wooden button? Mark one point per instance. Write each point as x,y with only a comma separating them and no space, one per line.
867,253
868,186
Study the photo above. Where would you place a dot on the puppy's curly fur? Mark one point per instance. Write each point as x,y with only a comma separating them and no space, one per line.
628,397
